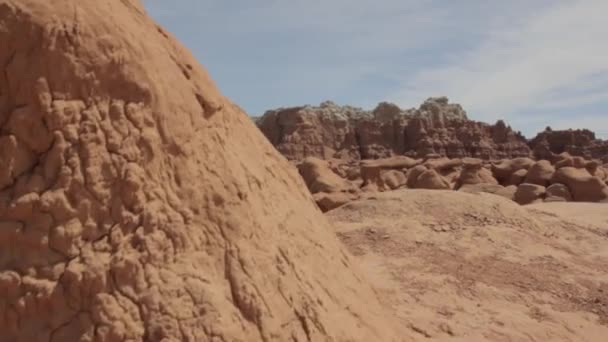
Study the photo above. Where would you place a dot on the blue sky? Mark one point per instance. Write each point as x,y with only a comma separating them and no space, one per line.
532,63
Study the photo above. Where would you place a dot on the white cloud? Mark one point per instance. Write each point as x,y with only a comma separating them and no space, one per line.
529,62
544,62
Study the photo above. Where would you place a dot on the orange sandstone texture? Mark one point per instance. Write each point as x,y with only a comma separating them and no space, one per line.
138,204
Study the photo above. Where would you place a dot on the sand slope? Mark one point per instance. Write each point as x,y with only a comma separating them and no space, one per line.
473,267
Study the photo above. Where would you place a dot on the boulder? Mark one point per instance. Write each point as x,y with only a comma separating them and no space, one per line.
561,157
540,173
583,186
319,177
527,193
570,161
503,170
330,201
579,162
430,179
596,169
371,171
473,173
393,179
558,193
413,174
517,177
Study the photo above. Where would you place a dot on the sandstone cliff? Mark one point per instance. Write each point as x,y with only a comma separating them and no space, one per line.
579,142
436,127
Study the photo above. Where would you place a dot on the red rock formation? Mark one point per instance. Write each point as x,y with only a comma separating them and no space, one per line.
583,186
540,173
529,193
517,177
558,193
393,179
437,127
474,173
319,177
579,142
431,179
504,170
520,179
323,132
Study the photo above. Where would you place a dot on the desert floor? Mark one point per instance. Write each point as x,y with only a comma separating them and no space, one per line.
455,266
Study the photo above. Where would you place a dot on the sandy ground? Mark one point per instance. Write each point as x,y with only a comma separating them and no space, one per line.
476,267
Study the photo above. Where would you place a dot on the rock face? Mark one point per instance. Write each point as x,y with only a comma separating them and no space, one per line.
579,142
138,204
323,132
437,127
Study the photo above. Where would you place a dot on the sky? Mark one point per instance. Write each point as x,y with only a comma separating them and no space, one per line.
532,63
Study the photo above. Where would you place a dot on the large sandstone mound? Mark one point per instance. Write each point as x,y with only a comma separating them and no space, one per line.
138,204
477,267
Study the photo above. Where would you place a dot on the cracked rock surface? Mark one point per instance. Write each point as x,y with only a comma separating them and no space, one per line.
138,204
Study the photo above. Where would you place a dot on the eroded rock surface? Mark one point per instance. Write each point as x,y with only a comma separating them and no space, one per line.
138,204
436,127
583,186
521,179
577,142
